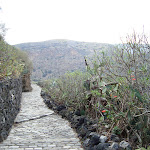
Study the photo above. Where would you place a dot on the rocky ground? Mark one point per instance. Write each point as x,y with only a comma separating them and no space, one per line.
87,128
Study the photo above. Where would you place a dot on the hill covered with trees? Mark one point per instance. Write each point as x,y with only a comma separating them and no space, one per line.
55,57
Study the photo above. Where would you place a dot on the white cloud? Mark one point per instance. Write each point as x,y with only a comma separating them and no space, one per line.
86,20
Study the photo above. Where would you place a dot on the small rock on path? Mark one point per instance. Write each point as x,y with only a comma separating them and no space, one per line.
39,128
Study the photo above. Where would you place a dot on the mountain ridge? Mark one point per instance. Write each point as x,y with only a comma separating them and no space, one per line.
53,58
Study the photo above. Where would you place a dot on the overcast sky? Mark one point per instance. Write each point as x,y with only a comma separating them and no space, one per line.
104,21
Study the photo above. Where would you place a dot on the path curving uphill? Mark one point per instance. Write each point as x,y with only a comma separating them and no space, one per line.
39,128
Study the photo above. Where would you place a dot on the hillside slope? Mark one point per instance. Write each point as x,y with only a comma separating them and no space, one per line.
55,57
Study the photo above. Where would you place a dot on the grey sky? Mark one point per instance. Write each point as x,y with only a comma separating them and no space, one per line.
104,21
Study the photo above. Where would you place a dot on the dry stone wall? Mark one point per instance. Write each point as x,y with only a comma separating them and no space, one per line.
26,83
10,102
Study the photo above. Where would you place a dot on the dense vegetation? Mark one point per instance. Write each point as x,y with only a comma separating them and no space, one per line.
115,90
55,57
13,62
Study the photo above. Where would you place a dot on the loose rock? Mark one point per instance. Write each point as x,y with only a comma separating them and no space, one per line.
102,146
103,139
125,145
94,140
115,138
114,146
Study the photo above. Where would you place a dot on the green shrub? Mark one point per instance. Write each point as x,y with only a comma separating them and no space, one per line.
116,89
28,66
120,88
13,62
68,89
10,66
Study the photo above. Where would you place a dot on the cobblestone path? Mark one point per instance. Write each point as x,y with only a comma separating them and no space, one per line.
39,128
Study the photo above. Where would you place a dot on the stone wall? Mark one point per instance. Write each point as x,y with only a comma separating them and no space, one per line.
26,83
10,102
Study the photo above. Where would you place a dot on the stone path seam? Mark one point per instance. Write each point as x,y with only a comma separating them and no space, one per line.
33,119
39,128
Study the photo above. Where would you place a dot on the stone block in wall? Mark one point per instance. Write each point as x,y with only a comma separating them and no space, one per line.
10,103
26,83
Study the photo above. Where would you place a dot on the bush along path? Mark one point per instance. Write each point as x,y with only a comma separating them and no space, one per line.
86,128
39,128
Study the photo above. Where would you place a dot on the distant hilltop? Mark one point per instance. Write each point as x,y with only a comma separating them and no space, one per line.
55,57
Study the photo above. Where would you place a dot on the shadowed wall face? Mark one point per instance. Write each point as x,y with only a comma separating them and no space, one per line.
10,102
26,83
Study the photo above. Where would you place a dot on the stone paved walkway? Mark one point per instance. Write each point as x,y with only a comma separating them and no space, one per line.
39,128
